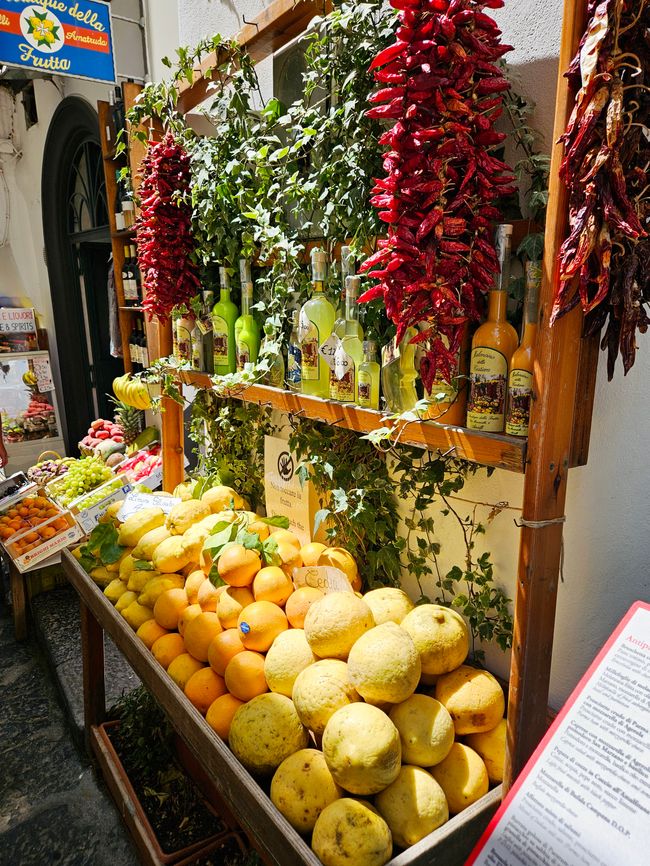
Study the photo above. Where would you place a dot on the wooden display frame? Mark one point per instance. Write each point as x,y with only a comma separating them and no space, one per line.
564,386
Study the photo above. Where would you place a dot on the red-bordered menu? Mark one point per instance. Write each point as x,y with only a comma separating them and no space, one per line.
583,799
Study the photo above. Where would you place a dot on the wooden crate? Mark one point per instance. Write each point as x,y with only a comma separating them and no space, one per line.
282,845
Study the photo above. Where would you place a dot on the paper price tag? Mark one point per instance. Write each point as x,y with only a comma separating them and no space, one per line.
304,326
342,362
323,577
135,502
328,351
43,373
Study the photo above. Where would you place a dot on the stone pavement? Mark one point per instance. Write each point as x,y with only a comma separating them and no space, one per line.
54,809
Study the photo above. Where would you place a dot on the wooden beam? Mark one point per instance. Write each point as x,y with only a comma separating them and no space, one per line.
269,31
585,396
549,448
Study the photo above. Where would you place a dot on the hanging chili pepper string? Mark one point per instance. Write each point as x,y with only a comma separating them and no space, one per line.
164,230
443,91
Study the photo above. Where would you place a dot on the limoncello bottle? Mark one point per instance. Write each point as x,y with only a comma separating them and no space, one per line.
349,354
368,380
247,331
520,381
224,316
315,326
294,355
492,349
398,373
347,270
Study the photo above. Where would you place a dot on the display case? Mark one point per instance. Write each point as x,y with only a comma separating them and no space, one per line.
31,422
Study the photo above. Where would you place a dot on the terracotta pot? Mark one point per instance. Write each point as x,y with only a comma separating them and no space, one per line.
134,815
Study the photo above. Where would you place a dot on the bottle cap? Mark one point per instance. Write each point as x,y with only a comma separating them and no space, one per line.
352,285
224,278
504,230
245,271
319,264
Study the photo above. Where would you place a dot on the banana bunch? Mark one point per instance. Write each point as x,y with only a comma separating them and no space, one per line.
132,392
29,378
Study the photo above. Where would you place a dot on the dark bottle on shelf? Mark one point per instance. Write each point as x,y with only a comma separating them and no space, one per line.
129,284
134,348
142,343
135,270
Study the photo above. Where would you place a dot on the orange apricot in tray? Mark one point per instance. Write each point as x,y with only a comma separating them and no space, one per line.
29,512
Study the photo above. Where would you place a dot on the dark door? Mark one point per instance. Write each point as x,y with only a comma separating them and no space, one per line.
94,260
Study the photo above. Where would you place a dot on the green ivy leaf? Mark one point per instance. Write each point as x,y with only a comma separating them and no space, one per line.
270,551
278,520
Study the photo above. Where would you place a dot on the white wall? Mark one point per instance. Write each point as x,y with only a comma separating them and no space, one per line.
607,544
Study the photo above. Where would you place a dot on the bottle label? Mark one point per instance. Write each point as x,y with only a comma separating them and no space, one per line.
309,346
243,355
344,373
488,390
144,354
197,350
130,289
520,391
184,337
204,324
294,364
220,340
365,390
132,353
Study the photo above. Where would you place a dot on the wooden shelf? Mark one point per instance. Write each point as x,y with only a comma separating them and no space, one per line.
489,449
124,233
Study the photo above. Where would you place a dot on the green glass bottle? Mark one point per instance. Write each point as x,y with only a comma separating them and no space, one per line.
369,373
224,316
247,331
315,326
398,373
347,270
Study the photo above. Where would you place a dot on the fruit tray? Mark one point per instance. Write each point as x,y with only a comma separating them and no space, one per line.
14,488
89,508
36,543
26,512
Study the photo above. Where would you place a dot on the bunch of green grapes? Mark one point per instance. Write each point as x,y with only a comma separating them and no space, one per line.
82,477
93,498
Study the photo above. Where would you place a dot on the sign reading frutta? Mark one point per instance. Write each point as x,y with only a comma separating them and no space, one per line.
59,37
583,799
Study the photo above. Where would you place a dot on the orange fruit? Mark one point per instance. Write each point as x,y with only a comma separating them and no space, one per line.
284,535
220,713
299,603
192,586
260,623
47,532
149,632
272,584
223,648
199,634
182,668
289,557
208,595
245,676
187,616
310,553
168,608
260,528
238,566
203,688
167,648
231,603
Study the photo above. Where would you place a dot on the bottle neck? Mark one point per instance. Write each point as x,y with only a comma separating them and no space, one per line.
351,308
498,306
245,302
317,287
224,294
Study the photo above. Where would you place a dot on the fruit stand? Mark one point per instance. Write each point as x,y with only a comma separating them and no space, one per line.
564,382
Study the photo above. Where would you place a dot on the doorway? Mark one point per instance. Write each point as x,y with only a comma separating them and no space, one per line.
78,249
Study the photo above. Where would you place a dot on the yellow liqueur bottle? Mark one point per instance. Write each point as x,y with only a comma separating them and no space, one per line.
369,373
224,315
520,381
314,327
247,331
344,378
492,348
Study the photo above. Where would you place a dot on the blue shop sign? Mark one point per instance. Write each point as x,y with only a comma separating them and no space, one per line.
58,37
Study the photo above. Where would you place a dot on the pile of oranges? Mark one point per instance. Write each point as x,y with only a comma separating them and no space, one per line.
31,513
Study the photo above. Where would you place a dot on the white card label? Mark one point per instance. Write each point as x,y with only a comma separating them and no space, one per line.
135,502
323,577
328,351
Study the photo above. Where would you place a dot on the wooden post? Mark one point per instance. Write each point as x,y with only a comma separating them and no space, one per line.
18,601
173,434
92,654
549,450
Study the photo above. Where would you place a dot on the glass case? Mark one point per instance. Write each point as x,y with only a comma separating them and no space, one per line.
27,398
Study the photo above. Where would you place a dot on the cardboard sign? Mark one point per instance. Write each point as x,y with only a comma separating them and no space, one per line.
284,494
43,372
135,502
584,797
323,577
59,37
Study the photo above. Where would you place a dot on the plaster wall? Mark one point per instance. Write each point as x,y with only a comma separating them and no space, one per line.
606,540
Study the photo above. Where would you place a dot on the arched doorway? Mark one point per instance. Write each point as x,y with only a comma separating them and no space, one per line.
78,249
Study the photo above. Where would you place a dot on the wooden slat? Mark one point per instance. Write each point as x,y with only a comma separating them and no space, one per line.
92,652
269,31
549,447
489,449
585,395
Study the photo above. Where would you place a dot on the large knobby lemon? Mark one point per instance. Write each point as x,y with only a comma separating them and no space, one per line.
302,787
362,749
288,656
335,623
413,806
384,665
388,604
473,698
320,690
426,730
441,636
265,731
350,832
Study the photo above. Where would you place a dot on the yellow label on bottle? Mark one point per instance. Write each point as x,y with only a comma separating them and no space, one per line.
183,341
488,390
220,340
310,358
520,392
243,355
364,396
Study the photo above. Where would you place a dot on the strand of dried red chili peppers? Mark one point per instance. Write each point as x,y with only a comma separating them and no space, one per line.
605,261
444,93
164,229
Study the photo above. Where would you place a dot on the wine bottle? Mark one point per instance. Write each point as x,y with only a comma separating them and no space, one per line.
344,378
247,331
520,380
492,348
224,316
315,326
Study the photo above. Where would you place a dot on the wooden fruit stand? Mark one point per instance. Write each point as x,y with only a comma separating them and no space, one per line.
564,385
